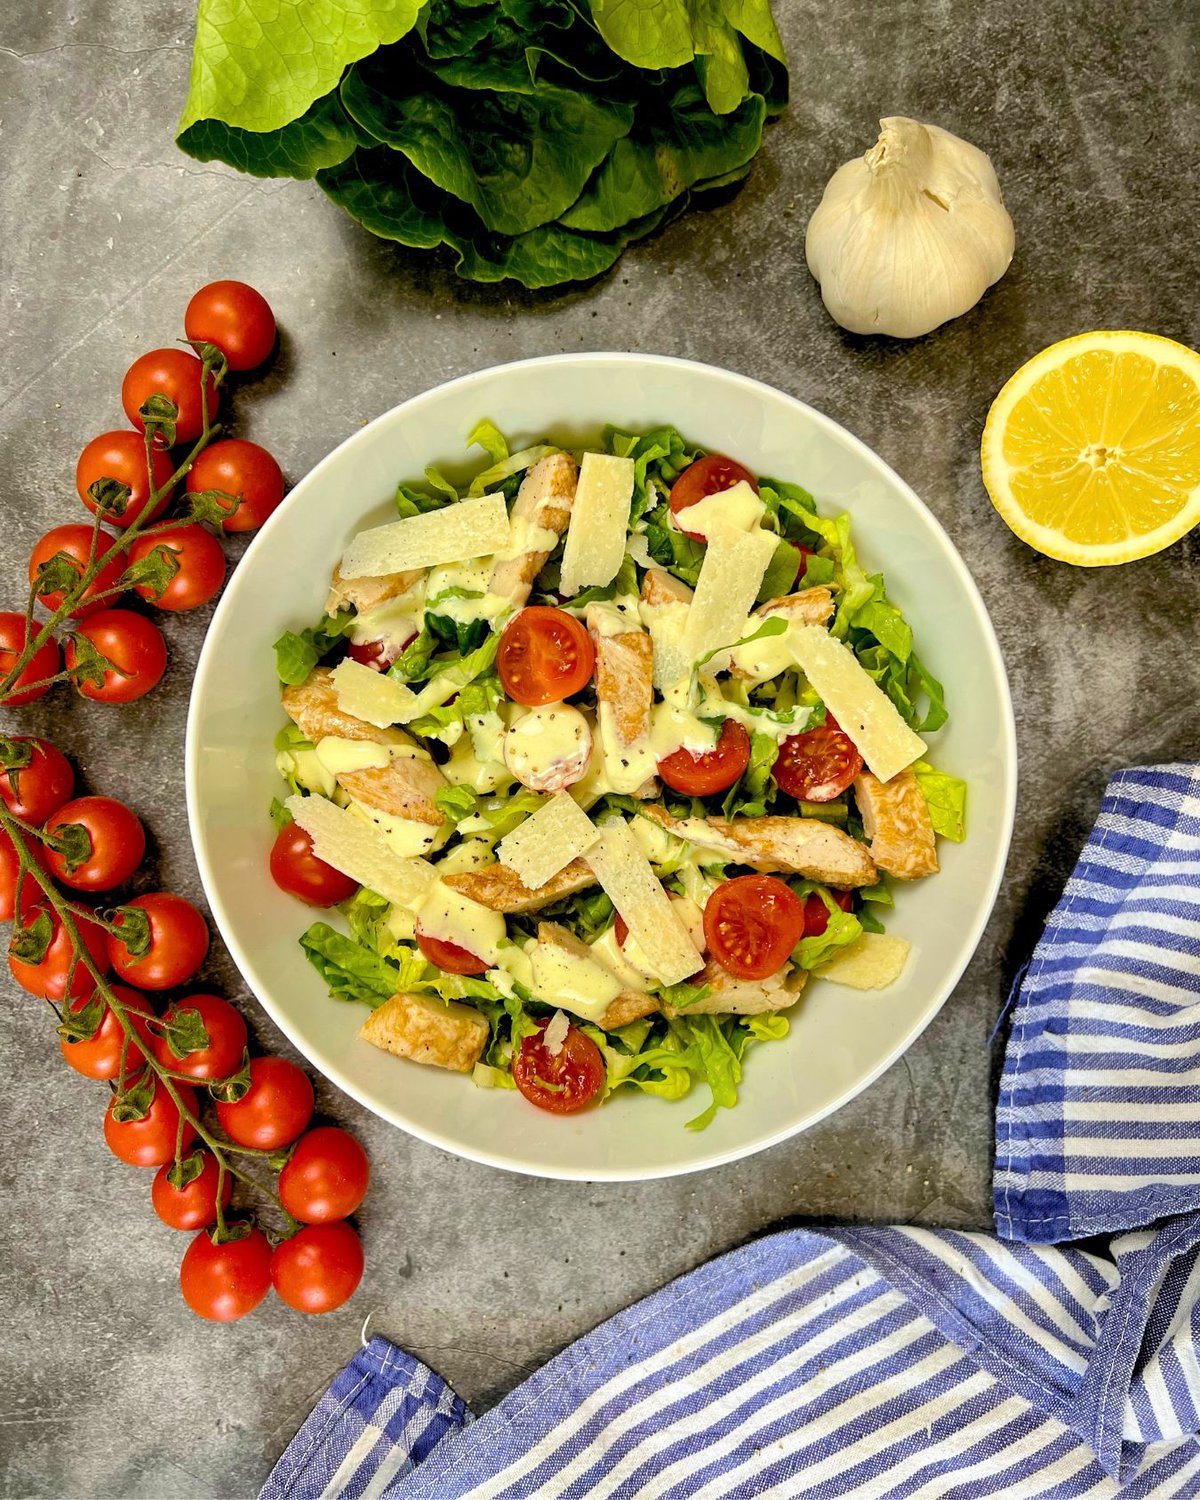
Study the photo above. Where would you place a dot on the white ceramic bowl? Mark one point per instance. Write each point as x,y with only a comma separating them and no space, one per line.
840,1040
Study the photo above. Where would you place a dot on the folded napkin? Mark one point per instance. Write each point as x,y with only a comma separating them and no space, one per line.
900,1362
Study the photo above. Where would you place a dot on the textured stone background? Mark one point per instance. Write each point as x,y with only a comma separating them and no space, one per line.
108,1387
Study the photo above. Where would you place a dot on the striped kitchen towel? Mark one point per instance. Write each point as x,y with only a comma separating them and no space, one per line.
899,1363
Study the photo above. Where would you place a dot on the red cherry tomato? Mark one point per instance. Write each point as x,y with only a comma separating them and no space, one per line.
44,663
751,925
76,543
818,765
117,841
133,644
175,374
562,1084
226,1049
319,1268
274,1110
34,791
709,475
122,456
10,873
99,1056
326,1177
450,957
712,770
178,943
52,978
193,1206
226,1281
296,869
378,655
245,471
236,318
200,573
816,913
152,1140
545,655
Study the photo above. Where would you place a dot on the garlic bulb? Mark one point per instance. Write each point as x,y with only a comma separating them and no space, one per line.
911,234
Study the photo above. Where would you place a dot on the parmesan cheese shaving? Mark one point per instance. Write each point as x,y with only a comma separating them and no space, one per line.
548,841
555,1033
629,881
369,695
730,577
595,545
358,849
470,529
871,962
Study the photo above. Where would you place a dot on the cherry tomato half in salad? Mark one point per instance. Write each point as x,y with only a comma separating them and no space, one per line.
751,925
296,869
709,475
75,542
319,1268
379,654
236,318
818,765
111,844
34,791
193,1206
700,775
450,956
545,655
44,662
122,456
175,374
816,913
99,1055
562,1083
225,1281
133,644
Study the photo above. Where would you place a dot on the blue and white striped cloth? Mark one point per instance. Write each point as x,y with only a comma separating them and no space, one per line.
901,1363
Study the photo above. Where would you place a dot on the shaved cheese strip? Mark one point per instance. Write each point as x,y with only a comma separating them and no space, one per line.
371,696
863,710
871,962
629,881
547,842
358,849
595,545
730,577
472,528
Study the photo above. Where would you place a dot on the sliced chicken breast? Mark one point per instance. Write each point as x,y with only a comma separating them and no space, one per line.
797,846
543,503
896,820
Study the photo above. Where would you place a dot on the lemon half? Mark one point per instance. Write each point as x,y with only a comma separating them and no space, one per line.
1091,452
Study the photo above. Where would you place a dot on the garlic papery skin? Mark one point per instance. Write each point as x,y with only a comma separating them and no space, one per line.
911,234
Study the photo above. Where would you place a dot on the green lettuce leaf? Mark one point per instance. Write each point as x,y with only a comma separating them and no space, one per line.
749,796
297,653
321,137
351,970
947,799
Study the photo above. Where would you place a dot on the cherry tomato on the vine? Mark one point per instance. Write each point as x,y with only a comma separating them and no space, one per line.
200,572
225,1281
76,542
818,765
226,1030
236,318
99,1055
193,1206
133,644
178,943
451,957
274,1110
326,1177
175,374
816,913
564,1082
709,475
45,661
701,774
319,1268
10,875
751,925
122,456
245,471
154,1139
51,976
109,850
34,791
296,869
545,655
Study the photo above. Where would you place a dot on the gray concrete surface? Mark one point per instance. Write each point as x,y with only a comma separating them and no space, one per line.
108,1387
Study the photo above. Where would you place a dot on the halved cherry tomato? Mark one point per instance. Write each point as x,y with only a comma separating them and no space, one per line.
200,571
122,456
319,1268
378,655
44,662
99,1055
275,1108
76,543
545,655
245,471
751,925
816,913
712,770
236,318
225,1281
34,791
10,871
116,838
133,644
561,1084
175,374
226,1048
193,1206
51,978
709,475
296,869
154,1139
818,765
450,956
178,943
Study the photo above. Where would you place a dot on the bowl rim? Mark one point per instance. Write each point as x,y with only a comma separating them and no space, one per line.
411,408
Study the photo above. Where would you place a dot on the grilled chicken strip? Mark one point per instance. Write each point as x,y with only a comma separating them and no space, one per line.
797,846
501,889
809,607
439,1033
742,997
624,688
896,820
405,788
544,501
661,587
368,593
